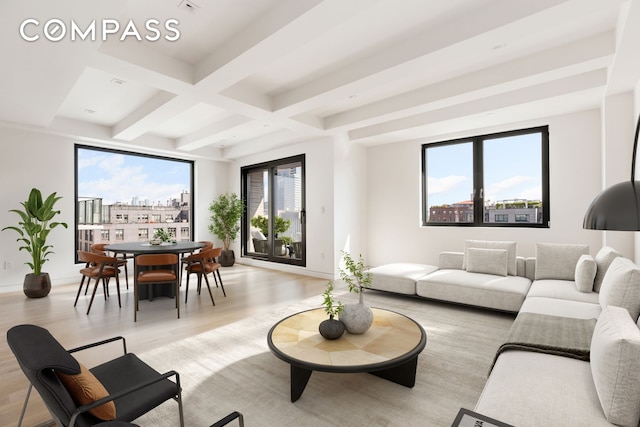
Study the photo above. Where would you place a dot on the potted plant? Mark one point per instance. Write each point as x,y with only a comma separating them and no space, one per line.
162,236
280,225
357,318
226,212
331,328
34,228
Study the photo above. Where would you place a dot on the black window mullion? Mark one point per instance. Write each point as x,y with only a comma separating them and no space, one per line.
478,183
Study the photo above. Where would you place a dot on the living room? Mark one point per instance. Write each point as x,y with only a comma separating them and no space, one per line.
359,114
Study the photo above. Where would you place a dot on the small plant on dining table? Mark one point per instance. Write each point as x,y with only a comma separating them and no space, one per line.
163,236
330,306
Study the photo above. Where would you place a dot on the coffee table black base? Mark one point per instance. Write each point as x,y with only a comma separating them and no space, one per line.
404,374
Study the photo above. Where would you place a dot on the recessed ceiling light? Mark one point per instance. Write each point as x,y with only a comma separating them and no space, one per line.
89,111
499,46
117,81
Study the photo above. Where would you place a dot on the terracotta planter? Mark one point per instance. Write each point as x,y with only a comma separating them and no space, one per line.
37,286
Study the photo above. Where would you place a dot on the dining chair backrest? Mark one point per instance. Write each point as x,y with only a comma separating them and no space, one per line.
94,258
98,248
157,259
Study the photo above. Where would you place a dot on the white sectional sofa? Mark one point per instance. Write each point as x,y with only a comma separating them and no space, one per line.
487,274
535,388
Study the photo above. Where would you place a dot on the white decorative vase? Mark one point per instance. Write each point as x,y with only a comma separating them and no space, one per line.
357,318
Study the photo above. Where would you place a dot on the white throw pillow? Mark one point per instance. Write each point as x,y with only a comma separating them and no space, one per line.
604,258
615,366
558,261
585,273
621,286
488,261
257,234
510,247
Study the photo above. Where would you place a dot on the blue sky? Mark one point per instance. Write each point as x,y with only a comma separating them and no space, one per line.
119,178
512,168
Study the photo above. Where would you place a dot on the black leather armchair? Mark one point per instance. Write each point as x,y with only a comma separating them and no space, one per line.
133,386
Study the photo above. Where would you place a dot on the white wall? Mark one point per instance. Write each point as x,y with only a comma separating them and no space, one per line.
33,159
211,179
617,130
394,191
351,200
319,179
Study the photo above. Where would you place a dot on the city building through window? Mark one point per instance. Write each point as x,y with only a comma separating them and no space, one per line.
273,225
488,180
119,194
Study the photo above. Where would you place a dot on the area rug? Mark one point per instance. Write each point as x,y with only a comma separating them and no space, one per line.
231,369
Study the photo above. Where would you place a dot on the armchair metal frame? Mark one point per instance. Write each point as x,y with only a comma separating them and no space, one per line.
38,353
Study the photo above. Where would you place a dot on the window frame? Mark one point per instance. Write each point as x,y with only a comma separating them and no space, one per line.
244,228
119,233
478,179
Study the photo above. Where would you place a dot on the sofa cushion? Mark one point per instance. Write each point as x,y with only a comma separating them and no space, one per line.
585,273
510,247
561,289
528,389
561,307
488,261
398,277
621,286
558,261
615,366
483,290
451,260
604,258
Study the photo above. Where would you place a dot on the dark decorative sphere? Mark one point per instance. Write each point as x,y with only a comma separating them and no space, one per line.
331,329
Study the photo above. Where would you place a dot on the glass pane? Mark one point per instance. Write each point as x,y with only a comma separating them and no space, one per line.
450,183
288,206
257,211
513,179
119,193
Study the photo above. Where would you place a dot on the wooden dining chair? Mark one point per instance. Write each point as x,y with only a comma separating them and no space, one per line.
202,264
183,262
98,248
155,268
100,268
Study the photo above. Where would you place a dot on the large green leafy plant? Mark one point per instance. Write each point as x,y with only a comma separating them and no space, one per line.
226,212
34,227
280,225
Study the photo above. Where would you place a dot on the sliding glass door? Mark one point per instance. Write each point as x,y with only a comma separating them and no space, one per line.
273,227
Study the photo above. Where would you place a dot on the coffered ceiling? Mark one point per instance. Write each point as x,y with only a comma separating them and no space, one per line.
249,75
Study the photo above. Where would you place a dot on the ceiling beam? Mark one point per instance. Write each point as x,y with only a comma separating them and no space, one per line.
397,60
580,56
210,134
585,81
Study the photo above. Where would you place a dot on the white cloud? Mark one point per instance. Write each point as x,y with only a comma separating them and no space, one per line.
507,188
445,184
532,193
115,182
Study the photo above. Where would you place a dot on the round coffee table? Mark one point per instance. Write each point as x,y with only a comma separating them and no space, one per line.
389,349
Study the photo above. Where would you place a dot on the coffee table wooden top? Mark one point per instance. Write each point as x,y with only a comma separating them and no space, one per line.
392,340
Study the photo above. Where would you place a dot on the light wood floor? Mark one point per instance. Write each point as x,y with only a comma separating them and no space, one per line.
250,291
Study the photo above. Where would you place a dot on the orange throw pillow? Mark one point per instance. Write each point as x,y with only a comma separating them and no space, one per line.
85,388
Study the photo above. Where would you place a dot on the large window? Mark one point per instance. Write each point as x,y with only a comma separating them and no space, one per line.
273,226
119,193
488,180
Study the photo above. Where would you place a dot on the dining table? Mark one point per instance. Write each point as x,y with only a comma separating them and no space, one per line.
140,248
